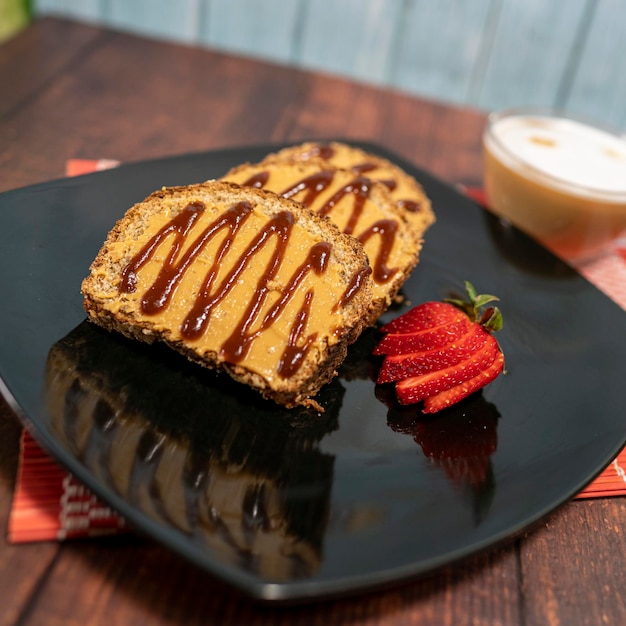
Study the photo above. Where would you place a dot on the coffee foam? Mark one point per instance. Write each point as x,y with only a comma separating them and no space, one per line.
569,151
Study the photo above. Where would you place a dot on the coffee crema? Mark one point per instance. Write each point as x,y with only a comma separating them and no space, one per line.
557,178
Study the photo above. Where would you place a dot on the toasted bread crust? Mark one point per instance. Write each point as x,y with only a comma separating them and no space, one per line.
101,288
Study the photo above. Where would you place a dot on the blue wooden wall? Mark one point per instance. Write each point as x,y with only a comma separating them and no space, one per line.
487,54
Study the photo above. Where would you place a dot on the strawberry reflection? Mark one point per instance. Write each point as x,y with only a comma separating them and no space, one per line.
460,441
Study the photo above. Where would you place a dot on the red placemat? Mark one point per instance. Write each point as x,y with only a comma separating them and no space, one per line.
50,504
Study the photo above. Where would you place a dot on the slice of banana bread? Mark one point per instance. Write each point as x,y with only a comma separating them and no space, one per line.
237,278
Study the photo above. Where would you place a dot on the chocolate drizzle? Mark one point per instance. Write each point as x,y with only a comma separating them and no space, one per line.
386,231
360,188
196,321
258,181
356,282
410,205
159,294
253,322
363,168
327,153
237,345
320,151
390,183
313,185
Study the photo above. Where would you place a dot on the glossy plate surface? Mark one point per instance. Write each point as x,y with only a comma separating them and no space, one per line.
288,505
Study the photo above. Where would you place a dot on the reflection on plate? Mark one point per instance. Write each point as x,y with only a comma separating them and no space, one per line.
513,245
207,458
459,441
293,505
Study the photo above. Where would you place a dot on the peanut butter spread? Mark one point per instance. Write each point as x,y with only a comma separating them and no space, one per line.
405,191
357,205
345,157
231,282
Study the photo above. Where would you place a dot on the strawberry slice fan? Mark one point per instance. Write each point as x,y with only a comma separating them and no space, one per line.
441,352
50,504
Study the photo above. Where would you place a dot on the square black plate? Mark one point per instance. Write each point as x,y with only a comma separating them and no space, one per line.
288,505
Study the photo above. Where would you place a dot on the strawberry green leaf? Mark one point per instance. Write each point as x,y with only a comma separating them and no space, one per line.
490,319
471,292
483,299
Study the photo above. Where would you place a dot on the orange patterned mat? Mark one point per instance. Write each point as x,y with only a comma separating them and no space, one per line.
50,504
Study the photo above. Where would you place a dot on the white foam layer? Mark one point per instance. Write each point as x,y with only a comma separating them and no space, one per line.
565,149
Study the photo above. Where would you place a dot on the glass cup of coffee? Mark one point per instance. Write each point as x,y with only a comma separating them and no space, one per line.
558,178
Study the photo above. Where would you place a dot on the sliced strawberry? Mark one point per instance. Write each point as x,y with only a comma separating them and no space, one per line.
416,388
451,396
397,367
441,352
424,316
428,339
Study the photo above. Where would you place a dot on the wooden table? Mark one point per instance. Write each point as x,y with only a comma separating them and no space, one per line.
70,90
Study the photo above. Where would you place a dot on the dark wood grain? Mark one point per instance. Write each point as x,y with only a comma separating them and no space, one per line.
80,91
130,99
49,50
22,568
573,571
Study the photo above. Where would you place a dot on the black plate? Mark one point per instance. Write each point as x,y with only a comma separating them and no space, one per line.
291,505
